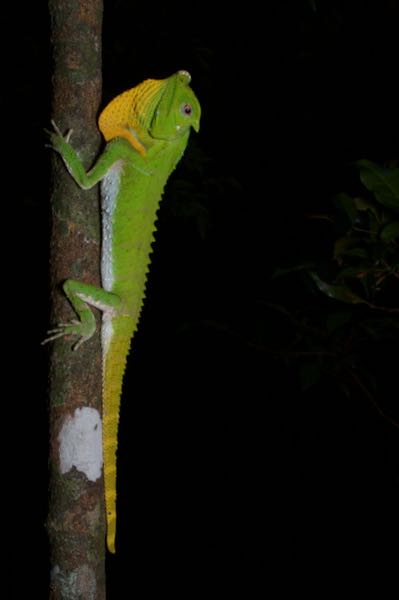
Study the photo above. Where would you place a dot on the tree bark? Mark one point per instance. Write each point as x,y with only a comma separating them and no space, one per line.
76,524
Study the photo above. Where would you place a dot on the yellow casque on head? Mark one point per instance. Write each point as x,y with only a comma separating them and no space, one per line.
124,116
160,108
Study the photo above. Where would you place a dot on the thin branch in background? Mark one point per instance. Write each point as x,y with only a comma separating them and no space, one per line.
358,382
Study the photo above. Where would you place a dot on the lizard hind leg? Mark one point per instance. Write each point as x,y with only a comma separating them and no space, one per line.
82,296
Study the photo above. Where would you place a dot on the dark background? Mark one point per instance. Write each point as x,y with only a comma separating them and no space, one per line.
230,472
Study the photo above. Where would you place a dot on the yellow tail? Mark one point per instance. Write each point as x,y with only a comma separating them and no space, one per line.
113,370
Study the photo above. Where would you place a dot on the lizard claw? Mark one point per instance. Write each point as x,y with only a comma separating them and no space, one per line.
84,329
57,130
56,139
63,329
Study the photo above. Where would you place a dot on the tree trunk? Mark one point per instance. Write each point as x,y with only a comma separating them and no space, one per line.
76,524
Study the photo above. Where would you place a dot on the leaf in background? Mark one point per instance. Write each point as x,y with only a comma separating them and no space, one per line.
341,245
363,205
357,253
390,232
357,272
347,204
282,271
338,292
347,246
370,215
384,183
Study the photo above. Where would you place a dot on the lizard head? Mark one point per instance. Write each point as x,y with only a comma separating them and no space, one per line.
158,109
177,109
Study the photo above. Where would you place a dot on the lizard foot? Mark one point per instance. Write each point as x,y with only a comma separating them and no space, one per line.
74,327
56,138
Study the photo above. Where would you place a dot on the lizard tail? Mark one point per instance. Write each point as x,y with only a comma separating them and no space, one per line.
116,342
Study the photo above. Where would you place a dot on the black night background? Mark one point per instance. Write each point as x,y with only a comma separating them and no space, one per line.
259,436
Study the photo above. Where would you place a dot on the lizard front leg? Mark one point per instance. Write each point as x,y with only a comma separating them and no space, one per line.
113,152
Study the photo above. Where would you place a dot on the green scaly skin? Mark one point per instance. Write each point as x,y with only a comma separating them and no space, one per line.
131,189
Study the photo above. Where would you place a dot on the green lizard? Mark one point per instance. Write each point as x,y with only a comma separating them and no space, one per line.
147,130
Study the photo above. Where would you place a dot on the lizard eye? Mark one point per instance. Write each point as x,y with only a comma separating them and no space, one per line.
187,109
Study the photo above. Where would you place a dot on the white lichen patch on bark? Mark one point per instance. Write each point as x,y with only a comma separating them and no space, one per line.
80,442
74,585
